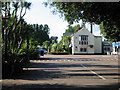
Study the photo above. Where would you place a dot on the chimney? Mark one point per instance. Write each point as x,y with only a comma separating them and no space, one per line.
91,27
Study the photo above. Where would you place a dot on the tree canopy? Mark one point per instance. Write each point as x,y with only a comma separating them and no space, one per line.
93,12
73,29
15,36
19,40
41,33
54,39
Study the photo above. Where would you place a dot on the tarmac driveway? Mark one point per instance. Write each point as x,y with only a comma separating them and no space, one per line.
68,71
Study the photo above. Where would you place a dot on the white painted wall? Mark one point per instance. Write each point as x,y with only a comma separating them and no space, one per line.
75,42
98,44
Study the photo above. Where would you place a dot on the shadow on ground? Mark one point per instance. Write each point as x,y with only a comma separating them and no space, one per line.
57,86
51,70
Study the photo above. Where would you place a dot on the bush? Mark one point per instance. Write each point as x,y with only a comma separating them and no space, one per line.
14,65
34,54
59,53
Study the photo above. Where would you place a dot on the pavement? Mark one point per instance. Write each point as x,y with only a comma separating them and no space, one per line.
82,72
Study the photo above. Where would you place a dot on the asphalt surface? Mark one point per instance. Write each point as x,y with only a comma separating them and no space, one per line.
82,72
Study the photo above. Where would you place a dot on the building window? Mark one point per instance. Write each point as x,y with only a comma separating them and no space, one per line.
83,39
118,47
84,42
81,42
83,49
108,49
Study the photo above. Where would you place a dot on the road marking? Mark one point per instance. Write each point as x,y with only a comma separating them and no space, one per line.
94,72
106,56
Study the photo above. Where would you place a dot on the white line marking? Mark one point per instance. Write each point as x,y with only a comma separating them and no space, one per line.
106,56
94,72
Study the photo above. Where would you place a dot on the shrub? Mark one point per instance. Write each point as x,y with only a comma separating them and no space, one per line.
59,53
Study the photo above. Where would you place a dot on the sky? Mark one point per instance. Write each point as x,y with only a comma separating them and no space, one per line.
39,14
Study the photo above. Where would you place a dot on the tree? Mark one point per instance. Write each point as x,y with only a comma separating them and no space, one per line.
54,39
13,25
47,44
54,47
14,34
41,33
93,12
73,29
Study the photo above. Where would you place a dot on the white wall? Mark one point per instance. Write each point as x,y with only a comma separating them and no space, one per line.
98,44
72,41
75,42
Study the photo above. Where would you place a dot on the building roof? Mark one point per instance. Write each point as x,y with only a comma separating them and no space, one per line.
88,31
68,34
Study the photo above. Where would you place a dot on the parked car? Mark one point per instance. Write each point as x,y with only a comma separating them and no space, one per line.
42,50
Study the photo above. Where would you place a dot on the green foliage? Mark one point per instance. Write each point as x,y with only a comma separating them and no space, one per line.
41,33
54,47
110,32
14,28
93,12
54,39
66,39
73,29
63,45
59,53
47,45
15,34
34,54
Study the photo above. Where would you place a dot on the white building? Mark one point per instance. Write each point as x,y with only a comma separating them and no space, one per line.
83,42
116,48
106,47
